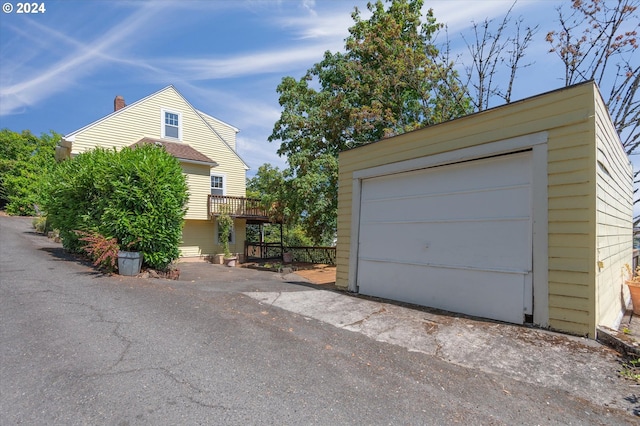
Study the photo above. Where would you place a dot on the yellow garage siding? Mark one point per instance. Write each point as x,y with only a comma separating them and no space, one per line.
575,231
571,257
525,117
614,216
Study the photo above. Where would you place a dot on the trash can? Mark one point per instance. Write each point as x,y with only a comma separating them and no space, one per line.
129,262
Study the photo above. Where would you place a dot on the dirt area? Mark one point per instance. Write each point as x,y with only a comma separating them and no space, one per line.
318,274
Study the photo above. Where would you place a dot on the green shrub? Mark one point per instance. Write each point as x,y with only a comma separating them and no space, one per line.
137,196
24,160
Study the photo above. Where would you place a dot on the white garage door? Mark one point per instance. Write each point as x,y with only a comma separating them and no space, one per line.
455,237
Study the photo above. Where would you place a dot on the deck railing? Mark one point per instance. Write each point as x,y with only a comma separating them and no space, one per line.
250,208
325,255
263,251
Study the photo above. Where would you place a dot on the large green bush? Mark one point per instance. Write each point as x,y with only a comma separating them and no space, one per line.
24,160
137,196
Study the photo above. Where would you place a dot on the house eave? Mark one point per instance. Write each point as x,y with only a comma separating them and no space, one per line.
199,163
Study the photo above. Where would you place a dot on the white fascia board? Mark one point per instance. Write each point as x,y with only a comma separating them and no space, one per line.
200,163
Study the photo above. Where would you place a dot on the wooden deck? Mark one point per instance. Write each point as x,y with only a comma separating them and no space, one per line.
241,207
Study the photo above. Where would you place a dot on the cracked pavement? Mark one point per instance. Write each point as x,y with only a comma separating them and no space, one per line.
233,346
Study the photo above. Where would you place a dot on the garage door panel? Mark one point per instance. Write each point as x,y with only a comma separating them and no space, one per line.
488,295
503,202
476,243
456,237
469,176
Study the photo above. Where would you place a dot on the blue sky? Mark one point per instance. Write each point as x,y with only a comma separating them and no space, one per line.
61,69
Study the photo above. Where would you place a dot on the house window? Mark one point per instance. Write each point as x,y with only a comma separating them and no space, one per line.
217,185
171,124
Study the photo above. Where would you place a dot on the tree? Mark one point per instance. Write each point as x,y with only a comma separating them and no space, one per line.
492,51
270,187
275,191
597,41
389,81
24,160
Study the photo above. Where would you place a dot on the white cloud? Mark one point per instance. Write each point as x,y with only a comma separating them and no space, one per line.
245,64
37,84
458,15
333,25
256,152
309,5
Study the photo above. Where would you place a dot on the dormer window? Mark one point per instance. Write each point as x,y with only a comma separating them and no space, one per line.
171,124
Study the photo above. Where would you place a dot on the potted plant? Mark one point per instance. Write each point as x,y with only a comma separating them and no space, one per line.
633,283
225,224
130,260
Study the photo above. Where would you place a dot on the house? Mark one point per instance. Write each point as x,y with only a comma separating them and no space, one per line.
521,213
206,149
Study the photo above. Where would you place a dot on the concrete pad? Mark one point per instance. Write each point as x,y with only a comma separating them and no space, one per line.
580,366
333,308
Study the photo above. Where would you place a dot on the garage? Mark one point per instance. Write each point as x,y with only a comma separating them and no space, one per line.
521,213
455,237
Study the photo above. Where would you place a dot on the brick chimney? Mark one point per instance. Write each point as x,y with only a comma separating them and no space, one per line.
118,103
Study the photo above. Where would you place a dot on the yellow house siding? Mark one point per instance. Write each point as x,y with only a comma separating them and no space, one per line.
236,182
199,182
240,230
568,116
227,132
144,118
614,216
198,238
237,246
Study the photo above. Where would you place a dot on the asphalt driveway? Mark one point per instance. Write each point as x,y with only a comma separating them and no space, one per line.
237,346
580,366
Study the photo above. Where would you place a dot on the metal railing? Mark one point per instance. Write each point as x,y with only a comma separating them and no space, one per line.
263,251
324,255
